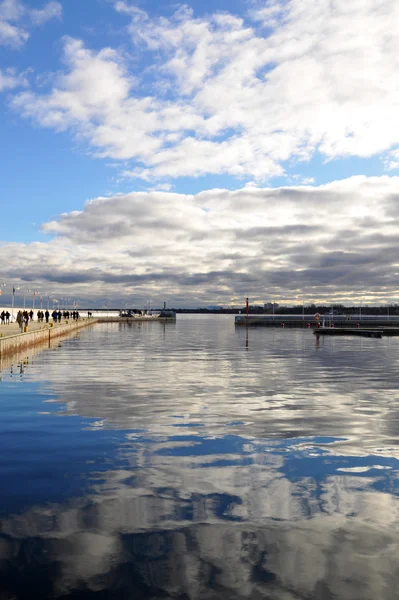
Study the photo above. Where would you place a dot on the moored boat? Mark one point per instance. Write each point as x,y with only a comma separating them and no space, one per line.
147,314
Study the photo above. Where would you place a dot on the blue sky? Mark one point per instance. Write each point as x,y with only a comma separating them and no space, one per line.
111,99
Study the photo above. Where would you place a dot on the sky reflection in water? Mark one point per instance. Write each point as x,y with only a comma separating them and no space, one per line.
172,461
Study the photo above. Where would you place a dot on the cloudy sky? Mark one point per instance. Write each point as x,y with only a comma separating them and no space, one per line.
200,153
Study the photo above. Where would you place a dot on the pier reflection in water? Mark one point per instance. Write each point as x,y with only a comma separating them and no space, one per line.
181,461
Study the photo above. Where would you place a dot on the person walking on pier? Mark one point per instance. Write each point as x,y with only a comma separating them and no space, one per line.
7,318
2,317
47,314
20,320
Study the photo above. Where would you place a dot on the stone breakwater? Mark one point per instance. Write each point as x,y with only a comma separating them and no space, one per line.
12,341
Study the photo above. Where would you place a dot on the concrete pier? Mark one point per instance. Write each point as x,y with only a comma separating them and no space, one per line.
308,321
373,333
12,341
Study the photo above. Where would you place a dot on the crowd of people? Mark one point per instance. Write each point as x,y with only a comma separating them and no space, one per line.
23,316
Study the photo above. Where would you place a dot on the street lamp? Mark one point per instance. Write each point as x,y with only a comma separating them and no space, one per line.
14,289
26,291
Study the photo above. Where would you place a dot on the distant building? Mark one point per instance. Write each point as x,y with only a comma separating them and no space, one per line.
270,305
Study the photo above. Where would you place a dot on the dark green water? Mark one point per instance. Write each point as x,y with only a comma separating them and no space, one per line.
185,461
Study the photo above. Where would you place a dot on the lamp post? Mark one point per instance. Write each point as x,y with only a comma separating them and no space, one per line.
14,289
26,291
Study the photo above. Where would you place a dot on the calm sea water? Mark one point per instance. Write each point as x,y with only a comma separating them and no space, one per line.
193,461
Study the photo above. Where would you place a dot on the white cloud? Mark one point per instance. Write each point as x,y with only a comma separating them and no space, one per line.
52,10
16,19
392,160
9,79
335,242
11,10
11,33
226,95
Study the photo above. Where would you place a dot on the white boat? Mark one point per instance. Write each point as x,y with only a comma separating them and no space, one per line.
147,314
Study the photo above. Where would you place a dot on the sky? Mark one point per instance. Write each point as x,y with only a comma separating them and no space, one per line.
201,153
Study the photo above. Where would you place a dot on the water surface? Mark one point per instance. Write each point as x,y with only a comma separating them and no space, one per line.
195,460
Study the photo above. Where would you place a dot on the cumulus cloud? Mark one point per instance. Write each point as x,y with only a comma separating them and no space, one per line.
332,242
16,19
235,95
10,79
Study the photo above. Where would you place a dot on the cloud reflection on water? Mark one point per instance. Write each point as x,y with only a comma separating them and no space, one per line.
279,482
187,375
